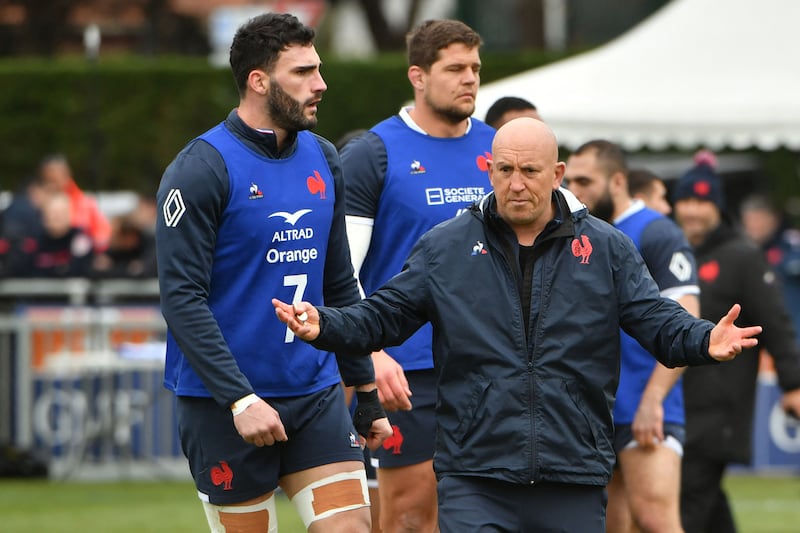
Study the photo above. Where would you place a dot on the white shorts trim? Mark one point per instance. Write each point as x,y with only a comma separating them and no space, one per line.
670,442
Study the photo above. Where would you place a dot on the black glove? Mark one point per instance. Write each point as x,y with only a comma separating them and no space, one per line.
368,409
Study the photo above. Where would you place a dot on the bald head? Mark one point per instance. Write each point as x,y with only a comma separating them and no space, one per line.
524,172
526,133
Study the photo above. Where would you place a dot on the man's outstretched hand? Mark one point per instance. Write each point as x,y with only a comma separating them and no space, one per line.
728,340
302,318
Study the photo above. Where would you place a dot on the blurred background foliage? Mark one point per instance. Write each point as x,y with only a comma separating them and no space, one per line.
123,119
122,115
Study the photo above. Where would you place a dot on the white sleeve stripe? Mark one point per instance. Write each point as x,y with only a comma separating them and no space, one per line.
364,221
675,293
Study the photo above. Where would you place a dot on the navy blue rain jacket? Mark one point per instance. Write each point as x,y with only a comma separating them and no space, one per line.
523,402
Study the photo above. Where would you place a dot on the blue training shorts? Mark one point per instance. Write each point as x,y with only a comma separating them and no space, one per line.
675,435
227,470
415,430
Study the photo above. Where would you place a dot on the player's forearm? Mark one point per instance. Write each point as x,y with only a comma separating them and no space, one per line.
691,303
663,379
661,382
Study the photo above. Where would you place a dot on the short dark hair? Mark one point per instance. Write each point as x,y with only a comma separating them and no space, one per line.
260,40
609,155
505,104
424,42
348,136
641,180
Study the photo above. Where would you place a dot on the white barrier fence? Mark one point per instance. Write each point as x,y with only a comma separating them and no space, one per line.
81,381
81,371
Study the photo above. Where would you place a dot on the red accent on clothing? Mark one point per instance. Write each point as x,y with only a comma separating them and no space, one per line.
87,216
708,272
395,442
222,474
316,185
482,161
582,249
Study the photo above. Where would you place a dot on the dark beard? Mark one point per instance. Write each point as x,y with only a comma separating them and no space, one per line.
451,115
285,111
604,209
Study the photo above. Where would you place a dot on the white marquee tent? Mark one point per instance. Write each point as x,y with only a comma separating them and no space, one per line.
713,73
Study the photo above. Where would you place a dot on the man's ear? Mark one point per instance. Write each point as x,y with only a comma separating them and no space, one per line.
490,170
618,182
258,81
560,169
416,77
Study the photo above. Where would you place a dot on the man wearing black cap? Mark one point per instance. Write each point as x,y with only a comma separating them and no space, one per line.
720,399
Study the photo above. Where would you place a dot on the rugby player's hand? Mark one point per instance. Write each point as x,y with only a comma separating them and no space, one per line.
648,422
260,424
393,390
370,419
380,430
790,401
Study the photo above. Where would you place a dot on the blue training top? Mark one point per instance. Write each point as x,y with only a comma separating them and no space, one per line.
671,263
271,242
425,180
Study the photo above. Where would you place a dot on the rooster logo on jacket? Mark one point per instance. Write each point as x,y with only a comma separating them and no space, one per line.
582,248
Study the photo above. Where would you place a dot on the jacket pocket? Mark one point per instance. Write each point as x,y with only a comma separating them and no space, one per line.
477,397
496,416
569,436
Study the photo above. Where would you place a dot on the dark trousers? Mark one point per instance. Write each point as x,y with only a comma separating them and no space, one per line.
476,504
704,505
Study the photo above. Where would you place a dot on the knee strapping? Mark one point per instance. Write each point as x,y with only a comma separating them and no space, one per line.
331,495
222,517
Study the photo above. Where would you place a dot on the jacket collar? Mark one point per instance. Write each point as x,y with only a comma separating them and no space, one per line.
262,142
576,208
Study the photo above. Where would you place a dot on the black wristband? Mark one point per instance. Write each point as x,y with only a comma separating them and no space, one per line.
368,409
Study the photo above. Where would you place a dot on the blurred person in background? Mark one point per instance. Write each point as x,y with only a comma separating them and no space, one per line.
768,227
510,107
23,216
649,188
61,250
342,141
131,252
250,209
145,213
720,400
55,173
404,176
21,224
648,412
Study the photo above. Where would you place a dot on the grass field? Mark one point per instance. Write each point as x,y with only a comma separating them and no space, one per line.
761,504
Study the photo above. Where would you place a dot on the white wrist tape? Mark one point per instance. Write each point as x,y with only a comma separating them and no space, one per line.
240,405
